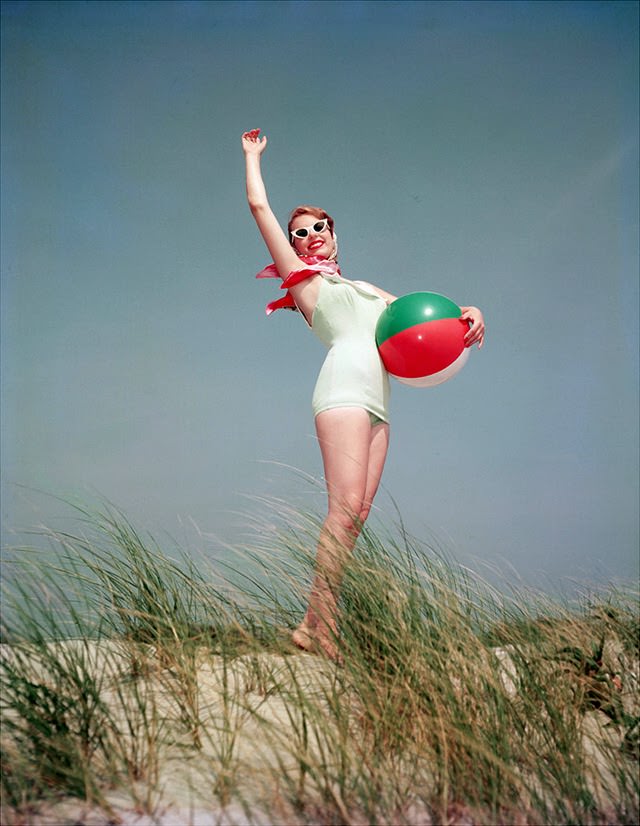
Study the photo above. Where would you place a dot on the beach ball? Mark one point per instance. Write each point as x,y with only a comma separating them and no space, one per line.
420,338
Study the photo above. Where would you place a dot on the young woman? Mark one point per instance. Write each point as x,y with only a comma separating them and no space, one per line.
350,400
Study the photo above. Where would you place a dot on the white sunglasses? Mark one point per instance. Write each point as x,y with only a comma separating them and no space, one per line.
317,228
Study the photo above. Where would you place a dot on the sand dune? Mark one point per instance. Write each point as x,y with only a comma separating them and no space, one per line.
255,720
247,730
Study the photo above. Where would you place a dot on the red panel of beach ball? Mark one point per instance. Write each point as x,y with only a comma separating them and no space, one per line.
426,354
420,338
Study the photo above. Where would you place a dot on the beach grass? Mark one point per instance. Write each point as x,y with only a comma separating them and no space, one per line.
141,682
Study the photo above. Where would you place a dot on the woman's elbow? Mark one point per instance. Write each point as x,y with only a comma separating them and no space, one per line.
257,206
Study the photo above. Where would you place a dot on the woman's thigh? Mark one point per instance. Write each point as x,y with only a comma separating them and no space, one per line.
353,453
344,434
378,446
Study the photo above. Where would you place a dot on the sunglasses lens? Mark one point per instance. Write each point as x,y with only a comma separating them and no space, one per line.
300,233
320,226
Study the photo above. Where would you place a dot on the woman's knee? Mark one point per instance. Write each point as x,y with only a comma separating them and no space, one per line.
344,518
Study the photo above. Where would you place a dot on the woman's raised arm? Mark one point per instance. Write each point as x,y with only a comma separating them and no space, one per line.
283,254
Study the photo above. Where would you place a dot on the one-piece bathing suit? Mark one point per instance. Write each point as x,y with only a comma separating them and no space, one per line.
344,319
352,374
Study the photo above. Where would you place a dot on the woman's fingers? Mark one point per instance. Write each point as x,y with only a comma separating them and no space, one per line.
252,143
475,334
477,338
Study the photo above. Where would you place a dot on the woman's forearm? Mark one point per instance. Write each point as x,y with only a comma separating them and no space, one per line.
284,255
256,191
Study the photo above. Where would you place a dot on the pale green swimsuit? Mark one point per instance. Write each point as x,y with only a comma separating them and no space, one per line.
352,375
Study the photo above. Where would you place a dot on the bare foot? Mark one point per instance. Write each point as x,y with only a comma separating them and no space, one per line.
314,643
302,638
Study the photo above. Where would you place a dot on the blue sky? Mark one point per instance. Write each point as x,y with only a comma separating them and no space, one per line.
488,151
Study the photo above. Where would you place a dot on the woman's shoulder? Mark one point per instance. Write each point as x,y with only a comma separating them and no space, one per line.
364,285
370,289
376,291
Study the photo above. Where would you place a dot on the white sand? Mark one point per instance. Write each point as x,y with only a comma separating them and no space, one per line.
251,737
248,731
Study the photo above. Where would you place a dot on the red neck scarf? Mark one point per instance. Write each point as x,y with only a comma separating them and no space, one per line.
314,266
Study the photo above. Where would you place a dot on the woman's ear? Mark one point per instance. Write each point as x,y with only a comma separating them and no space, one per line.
334,254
